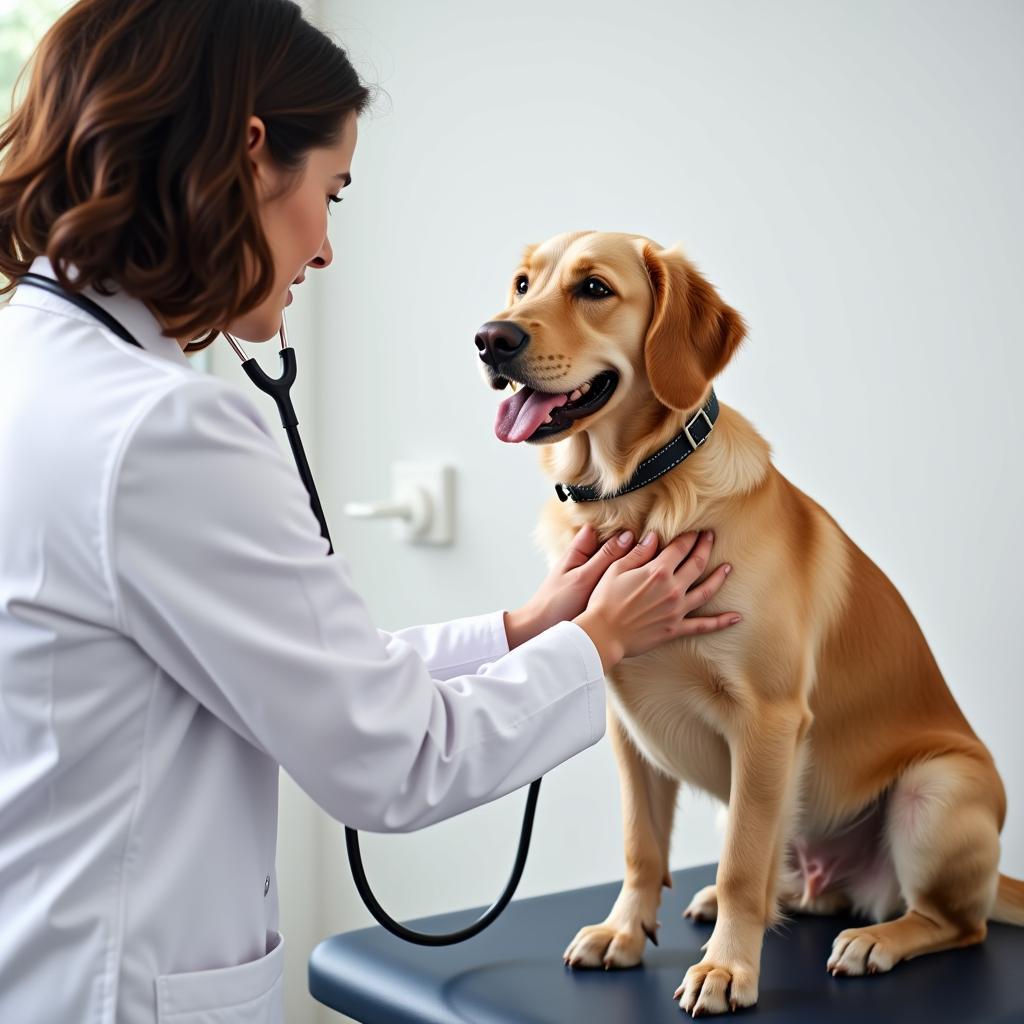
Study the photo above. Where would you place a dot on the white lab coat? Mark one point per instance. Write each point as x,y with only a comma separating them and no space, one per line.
170,633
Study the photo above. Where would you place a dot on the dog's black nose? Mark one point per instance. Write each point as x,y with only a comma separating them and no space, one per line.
499,341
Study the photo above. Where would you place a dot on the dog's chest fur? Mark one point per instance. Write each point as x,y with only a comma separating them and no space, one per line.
673,703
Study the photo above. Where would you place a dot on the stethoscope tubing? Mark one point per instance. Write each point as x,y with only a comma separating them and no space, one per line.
279,389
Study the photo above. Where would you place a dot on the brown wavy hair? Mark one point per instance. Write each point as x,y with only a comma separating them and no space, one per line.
127,158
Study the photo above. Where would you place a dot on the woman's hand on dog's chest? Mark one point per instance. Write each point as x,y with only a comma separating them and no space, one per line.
645,598
650,583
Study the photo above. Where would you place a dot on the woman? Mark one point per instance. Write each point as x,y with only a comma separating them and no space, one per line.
171,631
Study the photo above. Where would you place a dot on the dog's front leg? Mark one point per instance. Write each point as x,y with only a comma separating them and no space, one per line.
648,807
763,753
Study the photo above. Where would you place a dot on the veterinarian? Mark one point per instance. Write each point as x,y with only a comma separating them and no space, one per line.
171,631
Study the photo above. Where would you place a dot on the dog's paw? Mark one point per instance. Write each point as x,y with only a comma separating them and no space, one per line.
858,951
704,905
711,987
603,945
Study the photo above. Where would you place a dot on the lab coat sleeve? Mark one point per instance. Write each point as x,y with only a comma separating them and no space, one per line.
455,647
218,571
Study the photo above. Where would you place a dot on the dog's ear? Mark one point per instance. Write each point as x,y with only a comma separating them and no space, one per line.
692,333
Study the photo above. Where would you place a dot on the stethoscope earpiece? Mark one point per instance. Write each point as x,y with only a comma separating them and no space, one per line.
282,334
279,388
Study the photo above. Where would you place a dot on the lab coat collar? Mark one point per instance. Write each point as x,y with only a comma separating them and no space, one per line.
133,313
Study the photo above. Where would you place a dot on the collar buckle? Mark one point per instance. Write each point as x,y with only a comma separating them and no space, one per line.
686,430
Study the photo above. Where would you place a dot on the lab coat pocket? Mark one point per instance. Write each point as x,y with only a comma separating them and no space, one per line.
251,993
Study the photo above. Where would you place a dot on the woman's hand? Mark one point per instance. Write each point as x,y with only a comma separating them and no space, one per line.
566,589
646,599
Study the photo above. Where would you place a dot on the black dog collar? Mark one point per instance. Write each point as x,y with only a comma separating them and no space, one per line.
694,434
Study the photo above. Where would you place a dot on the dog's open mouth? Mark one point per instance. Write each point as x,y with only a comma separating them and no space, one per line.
530,415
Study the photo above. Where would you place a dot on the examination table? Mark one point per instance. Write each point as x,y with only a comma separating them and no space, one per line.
513,973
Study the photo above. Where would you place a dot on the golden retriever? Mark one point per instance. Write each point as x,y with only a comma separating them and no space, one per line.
822,720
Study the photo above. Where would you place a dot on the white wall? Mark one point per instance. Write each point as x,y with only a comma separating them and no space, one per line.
848,176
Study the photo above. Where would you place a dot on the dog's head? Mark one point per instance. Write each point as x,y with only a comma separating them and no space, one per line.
598,322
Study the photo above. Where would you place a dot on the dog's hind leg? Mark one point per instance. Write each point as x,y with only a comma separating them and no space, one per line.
648,807
943,834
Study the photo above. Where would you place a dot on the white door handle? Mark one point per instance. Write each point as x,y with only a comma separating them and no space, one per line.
421,502
377,510
412,505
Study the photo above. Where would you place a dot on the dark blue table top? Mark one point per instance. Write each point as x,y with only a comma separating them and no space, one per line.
513,972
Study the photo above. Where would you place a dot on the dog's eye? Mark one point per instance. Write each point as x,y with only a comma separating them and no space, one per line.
594,288
522,284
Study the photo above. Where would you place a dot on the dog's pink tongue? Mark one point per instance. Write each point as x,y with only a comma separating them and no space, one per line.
519,416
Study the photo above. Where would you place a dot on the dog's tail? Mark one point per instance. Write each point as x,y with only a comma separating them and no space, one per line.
1009,908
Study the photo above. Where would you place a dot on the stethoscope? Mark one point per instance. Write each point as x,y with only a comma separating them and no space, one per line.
279,390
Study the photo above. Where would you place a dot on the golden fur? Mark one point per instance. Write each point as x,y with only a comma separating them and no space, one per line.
821,719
